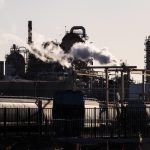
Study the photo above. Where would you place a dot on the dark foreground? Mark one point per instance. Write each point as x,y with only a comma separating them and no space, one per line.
52,143
99,129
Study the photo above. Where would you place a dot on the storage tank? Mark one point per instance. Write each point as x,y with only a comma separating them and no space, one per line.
15,64
13,111
1,70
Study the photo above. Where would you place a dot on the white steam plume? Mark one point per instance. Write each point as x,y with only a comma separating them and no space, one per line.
51,51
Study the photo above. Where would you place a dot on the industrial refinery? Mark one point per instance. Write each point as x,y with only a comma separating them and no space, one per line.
34,72
57,91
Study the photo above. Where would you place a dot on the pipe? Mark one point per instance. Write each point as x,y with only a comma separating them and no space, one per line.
77,28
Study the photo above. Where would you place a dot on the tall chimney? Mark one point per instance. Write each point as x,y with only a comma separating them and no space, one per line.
147,58
29,32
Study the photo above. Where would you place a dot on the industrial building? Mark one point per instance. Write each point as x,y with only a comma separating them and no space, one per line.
76,102
28,75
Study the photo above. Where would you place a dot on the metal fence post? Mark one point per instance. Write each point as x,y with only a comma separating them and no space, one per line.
17,118
40,121
95,122
91,128
5,121
46,122
28,121
125,121
40,116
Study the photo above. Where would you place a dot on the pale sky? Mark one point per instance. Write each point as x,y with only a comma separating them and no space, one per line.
120,25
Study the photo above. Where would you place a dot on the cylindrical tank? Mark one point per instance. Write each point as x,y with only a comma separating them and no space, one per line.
15,64
1,69
13,112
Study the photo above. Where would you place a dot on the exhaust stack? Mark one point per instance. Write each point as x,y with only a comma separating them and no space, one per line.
30,32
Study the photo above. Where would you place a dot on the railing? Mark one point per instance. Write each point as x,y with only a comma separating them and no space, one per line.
112,122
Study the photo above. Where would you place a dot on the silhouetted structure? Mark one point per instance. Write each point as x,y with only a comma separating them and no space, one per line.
30,32
15,64
147,58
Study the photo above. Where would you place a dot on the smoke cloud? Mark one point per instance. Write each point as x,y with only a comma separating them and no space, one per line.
50,51
85,51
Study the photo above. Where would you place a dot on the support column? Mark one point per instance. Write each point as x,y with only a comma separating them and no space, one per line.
122,88
143,84
107,97
107,86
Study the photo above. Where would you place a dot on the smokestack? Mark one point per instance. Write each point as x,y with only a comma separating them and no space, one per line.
29,32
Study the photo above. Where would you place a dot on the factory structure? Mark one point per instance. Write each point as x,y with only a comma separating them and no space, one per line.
147,57
92,102
25,74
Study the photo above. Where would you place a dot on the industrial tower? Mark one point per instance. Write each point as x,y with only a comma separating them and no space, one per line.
147,58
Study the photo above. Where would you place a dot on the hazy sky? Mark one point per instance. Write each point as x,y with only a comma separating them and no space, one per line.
120,25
